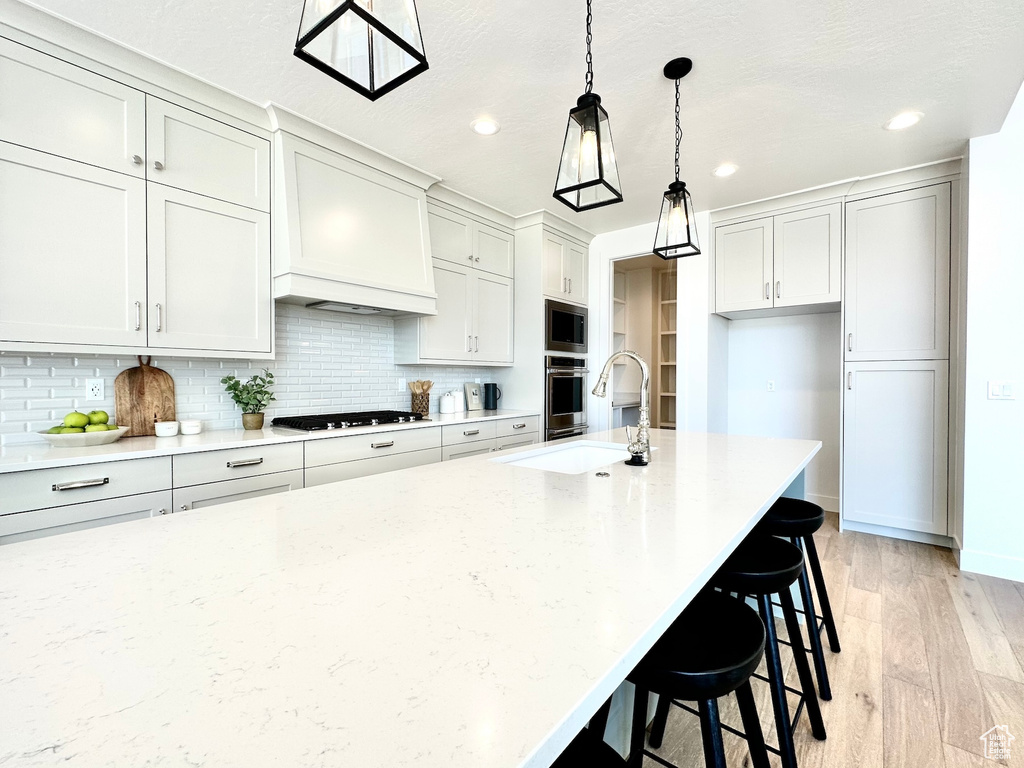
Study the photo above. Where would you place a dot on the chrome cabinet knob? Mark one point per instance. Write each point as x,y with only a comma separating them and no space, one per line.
158,165
136,160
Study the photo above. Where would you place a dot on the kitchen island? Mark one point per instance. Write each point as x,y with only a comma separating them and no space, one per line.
470,613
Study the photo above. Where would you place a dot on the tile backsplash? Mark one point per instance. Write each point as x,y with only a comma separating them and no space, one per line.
325,361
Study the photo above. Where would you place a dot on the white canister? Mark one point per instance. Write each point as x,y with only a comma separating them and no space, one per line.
447,403
191,427
166,428
460,401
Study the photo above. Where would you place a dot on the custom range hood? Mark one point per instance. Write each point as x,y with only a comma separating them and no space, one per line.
350,224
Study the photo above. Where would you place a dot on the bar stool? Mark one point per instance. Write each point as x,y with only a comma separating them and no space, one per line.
588,750
711,650
763,566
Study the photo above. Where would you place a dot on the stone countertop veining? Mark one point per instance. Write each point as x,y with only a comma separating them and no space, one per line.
42,455
467,614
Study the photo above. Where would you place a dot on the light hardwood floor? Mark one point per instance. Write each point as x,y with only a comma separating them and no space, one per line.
932,658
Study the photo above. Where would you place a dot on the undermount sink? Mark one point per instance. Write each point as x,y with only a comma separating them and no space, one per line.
569,458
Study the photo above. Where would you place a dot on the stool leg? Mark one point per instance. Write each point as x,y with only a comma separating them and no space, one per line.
819,585
802,667
660,721
638,732
711,734
813,635
777,683
752,726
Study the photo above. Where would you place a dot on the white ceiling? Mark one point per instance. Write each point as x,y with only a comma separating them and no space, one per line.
792,91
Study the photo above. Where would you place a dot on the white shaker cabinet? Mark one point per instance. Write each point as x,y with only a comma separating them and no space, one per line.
226,491
895,444
461,239
744,265
564,269
64,110
897,276
72,252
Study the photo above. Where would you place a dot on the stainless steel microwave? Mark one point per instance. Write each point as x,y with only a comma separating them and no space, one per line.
565,327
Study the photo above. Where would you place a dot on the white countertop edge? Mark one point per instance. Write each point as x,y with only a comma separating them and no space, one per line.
41,455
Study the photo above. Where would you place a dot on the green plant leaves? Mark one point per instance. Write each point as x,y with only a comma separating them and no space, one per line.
254,395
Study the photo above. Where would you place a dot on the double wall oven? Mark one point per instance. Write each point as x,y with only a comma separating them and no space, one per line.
565,397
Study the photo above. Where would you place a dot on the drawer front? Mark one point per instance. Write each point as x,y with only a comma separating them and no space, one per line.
520,426
75,517
332,473
370,445
455,434
42,488
463,450
517,441
234,463
211,494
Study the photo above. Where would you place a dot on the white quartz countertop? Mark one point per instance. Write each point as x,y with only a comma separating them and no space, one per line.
42,455
465,614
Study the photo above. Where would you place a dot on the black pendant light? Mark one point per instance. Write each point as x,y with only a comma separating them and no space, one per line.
587,176
372,46
677,229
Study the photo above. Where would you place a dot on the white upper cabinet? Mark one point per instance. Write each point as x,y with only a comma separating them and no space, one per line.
493,337
209,274
448,335
72,252
460,239
64,110
743,266
897,275
199,154
564,269
493,250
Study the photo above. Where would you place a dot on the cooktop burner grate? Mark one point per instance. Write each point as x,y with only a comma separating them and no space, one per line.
345,420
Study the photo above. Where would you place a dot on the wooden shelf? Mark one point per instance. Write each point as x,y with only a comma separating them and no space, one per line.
668,333
668,394
669,301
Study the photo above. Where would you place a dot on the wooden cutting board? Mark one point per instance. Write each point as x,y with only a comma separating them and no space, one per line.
143,396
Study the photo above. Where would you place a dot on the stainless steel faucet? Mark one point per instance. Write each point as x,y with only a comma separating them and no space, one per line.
640,448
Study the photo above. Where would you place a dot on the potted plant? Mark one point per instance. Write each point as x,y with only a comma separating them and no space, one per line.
252,396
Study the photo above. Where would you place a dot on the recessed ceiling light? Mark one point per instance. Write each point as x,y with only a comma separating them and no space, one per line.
903,120
725,169
485,126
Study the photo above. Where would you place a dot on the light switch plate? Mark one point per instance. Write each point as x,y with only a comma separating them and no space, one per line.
1002,390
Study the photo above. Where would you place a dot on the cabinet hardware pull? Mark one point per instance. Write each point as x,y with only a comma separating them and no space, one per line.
158,165
81,484
565,288
471,432
470,257
477,348
245,463
388,444
778,289
184,508
849,380
477,259
849,342
518,426
767,291
136,160
469,344
570,285
159,318
163,511
138,315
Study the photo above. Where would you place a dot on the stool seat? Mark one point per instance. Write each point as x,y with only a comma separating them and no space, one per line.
588,749
760,565
792,518
709,651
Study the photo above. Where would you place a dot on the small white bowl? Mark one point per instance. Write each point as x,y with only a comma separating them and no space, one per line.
191,427
166,428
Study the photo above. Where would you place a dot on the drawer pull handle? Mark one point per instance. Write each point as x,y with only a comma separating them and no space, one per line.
81,484
471,432
244,463
518,426
388,444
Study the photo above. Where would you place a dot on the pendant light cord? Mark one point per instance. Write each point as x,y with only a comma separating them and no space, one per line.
590,57
679,131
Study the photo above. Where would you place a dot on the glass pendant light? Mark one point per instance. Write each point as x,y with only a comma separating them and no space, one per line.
587,175
677,229
372,46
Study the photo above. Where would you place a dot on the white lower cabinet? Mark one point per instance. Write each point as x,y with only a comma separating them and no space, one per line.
516,441
474,439
75,517
895,444
332,473
225,491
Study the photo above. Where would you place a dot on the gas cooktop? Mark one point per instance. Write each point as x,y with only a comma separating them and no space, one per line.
344,420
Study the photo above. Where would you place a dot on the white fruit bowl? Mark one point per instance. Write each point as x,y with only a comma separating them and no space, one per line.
84,439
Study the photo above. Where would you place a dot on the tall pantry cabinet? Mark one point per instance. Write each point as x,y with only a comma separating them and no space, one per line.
896,360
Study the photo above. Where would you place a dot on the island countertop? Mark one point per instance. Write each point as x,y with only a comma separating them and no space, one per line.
464,614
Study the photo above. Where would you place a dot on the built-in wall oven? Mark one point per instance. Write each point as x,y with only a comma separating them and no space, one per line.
565,328
565,397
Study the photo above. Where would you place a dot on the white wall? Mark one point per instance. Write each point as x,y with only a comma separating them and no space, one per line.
993,505
800,354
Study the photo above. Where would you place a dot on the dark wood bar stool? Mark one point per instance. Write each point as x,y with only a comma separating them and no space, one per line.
798,520
711,650
763,567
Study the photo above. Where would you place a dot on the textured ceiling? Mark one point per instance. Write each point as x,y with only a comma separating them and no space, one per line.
792,91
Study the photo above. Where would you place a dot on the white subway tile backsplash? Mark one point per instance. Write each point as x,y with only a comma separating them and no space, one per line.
326,361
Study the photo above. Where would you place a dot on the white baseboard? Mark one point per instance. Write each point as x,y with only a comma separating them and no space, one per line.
898,533
988,564
828,503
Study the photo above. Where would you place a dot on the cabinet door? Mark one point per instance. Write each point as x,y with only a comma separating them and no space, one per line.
76,517
209,274
224,492
517,441
478,448
448,334
493,250
56,107
451,236
553,260
333,473
897,276
494,308
72,252
576,272
199,154
807,256
743,266
895,443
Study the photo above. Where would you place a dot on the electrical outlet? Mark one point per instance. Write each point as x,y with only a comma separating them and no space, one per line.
476,380
402,385
94,389
771,385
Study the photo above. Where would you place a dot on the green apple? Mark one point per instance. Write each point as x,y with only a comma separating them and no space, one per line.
96,428
71,430
112,426
54,430
76,419
98,417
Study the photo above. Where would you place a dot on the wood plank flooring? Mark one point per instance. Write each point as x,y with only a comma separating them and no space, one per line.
932,658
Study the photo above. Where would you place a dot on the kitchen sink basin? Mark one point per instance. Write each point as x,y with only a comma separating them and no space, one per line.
569,458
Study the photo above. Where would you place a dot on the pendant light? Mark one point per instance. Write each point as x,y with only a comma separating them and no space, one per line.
677,229
372,46
587,175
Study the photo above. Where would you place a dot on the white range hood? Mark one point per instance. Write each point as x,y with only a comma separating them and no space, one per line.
350,228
